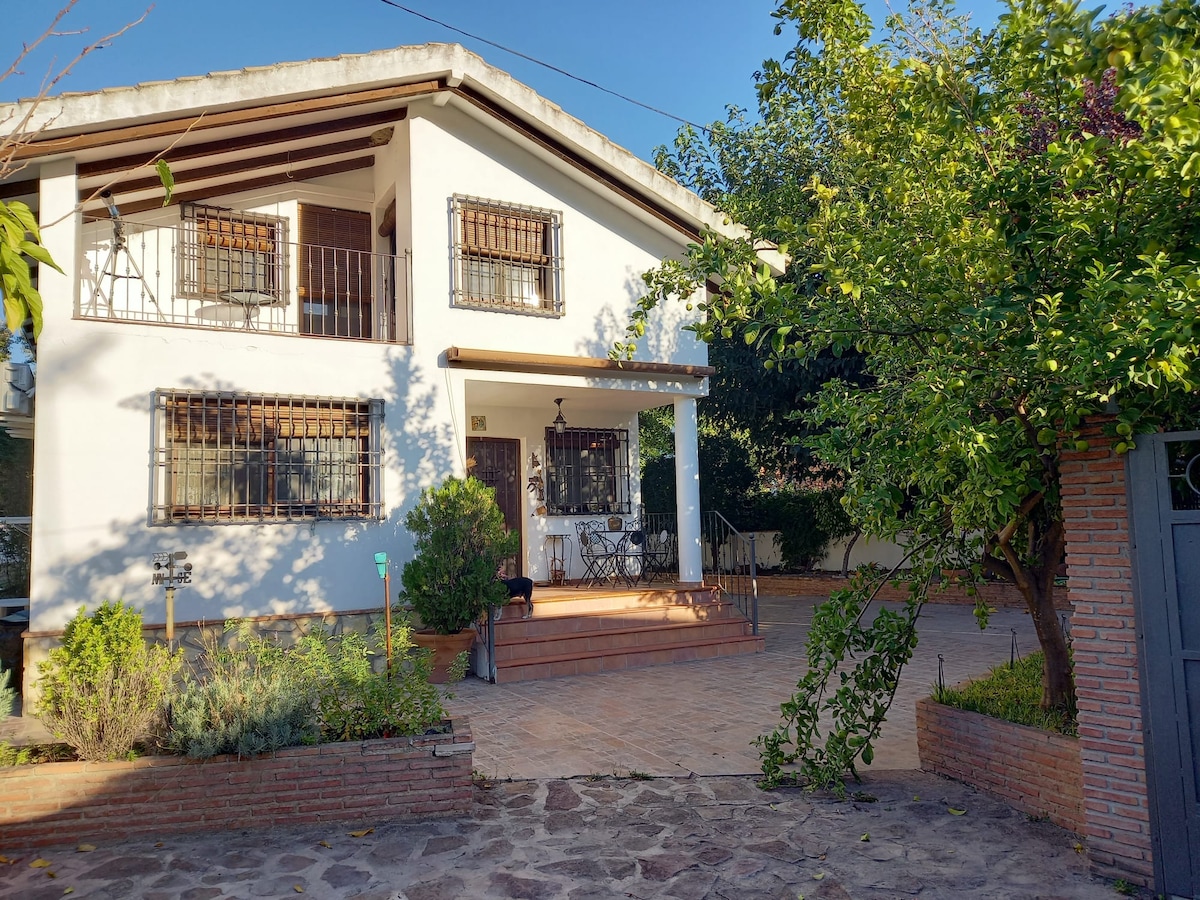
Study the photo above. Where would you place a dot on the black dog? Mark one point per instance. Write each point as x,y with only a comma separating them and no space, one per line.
518,587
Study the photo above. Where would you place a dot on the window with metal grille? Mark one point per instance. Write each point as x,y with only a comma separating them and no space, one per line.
233,256
507,256
587,471
265,458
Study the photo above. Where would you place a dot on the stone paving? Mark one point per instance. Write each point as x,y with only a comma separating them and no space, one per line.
715,838
691,824
702,717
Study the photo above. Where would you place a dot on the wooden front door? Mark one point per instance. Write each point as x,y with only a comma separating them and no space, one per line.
498,465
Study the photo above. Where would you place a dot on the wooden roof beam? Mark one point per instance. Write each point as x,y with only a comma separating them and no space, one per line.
205,121
120,164
237,167
467,358
249,184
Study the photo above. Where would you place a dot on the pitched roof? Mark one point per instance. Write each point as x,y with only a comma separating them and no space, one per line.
185,109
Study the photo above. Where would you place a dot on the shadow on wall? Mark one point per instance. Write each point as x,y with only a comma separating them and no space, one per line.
263,569
664,337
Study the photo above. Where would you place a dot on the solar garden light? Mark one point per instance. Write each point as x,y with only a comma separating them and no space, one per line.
381,565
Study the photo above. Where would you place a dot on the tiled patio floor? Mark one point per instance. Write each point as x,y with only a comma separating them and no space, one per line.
701,717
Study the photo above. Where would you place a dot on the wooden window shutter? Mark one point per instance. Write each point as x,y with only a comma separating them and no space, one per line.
326,274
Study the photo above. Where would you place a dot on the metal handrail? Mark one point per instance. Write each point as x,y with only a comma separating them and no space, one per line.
730,561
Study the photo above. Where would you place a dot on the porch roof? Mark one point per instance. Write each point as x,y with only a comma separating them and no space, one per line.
504,360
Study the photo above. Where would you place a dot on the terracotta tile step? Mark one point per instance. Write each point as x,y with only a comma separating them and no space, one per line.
553,667
547,624
618,640
574,602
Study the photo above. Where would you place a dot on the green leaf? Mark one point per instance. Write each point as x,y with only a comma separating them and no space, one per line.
167,178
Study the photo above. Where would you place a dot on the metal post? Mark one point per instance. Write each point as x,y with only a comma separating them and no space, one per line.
753,585
387,619
171,609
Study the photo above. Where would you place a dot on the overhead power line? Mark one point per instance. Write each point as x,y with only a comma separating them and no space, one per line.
545,65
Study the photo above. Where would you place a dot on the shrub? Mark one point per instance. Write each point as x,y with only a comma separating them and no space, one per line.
460,541
249,698
8,696
1012,693
356,700
807,522
104,686
14,756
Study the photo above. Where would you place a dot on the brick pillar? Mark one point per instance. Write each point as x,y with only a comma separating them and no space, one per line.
1100,590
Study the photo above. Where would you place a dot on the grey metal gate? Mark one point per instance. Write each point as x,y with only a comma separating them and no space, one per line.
1165,502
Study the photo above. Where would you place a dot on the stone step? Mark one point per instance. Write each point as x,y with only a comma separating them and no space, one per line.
592,663
566,602
617,640
543,623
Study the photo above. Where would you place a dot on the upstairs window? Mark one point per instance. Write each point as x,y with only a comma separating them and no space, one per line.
232,256
588,471
507,256
265,458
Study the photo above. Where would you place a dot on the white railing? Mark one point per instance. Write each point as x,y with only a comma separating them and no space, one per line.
163,275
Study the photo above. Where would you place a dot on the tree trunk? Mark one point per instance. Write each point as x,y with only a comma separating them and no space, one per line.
846,556
1058,687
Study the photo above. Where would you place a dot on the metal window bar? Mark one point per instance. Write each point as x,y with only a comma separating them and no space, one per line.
507,256
587,471
162,276
223,457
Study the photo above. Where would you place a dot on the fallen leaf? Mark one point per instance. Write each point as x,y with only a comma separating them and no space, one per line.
160,844
362,833
866,837
297,889
85,848
818,876
1078,847
326,844
916,798
956,812
51,874
772,805
69,890
39,864
5,861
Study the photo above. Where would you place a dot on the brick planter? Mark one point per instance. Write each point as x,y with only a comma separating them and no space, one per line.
59,803
1038,772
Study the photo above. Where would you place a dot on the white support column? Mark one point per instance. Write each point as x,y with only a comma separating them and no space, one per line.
687,492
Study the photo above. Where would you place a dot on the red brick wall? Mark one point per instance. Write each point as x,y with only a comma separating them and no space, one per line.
822,584
1106,664
57,803
1036,771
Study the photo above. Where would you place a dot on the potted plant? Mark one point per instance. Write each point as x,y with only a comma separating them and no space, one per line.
460,540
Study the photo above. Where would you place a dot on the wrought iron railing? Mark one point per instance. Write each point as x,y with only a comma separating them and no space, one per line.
134,272
730,563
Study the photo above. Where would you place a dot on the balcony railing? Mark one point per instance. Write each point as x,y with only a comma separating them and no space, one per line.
170,275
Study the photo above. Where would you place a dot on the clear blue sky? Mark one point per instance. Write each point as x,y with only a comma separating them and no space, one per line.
689,57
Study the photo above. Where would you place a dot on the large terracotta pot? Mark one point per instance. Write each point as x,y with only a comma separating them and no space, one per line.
445,648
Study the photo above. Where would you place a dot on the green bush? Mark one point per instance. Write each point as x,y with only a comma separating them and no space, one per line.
14,756
101,690
460,539
807,522
356,699
8,696
1012,693
248,698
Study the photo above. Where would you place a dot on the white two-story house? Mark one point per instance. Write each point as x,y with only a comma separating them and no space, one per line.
375,271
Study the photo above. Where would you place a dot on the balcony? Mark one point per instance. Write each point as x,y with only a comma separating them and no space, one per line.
241,275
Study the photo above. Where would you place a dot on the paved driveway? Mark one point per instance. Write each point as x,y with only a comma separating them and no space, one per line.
702,717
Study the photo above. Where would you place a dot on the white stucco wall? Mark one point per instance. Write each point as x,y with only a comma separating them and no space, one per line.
94,445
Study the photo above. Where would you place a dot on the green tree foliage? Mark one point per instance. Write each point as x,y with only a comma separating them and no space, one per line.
461,541
1006,226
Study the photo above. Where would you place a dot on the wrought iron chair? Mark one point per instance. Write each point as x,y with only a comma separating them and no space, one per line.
598,553
660,556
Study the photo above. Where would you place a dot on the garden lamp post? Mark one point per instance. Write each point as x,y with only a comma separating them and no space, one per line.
381,564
